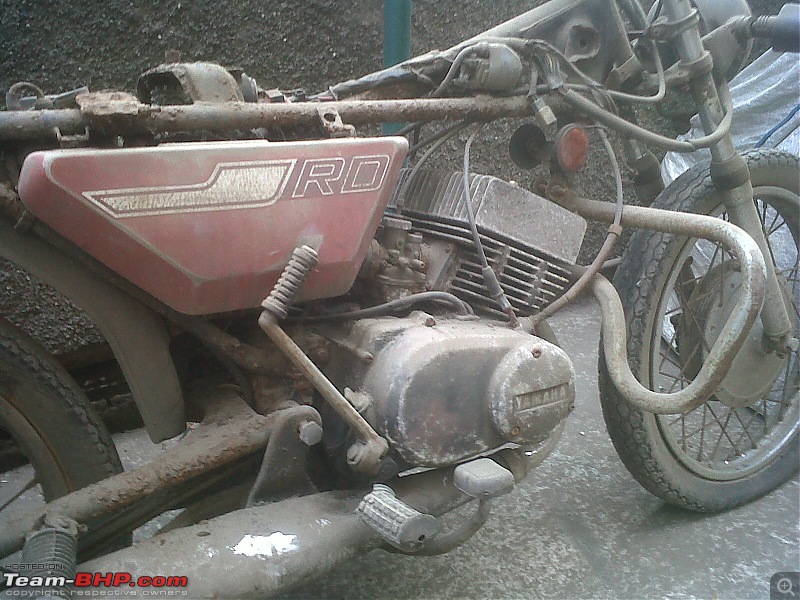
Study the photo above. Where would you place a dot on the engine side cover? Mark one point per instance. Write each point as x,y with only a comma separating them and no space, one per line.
208,227
444,390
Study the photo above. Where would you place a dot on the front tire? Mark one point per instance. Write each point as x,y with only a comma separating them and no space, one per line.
743,442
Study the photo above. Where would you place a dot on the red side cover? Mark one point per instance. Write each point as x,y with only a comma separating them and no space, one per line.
208,227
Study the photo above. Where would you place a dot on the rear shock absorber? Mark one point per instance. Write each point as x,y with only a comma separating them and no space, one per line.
366,454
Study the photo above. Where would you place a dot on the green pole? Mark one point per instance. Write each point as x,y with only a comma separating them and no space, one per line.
396,41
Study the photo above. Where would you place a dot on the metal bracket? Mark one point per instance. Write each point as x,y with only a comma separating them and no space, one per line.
15,96
332,125
624,73
72,141
664,30
283,472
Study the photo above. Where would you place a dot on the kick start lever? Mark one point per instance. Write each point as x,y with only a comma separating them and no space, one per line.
365,455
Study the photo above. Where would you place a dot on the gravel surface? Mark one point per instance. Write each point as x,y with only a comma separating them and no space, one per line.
310,44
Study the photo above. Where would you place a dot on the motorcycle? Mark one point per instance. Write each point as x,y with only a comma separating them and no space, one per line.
350,345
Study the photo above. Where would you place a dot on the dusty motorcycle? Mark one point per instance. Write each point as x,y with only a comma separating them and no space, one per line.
351,344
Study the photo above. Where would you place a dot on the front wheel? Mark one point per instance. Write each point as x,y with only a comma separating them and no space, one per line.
677,294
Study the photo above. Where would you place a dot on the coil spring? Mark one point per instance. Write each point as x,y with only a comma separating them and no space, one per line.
303,260
54,547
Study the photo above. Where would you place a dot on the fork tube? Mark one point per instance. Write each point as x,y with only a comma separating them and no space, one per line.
729,170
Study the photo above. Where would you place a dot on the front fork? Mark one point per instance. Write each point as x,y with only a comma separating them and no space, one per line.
729,171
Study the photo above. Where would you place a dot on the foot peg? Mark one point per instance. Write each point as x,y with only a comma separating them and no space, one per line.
395,521
483,479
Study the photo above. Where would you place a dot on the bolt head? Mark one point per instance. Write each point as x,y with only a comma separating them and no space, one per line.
310,433
353,454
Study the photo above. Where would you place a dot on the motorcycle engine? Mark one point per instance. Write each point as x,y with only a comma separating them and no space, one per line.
445,389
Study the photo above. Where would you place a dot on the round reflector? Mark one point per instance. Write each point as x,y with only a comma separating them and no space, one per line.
572,147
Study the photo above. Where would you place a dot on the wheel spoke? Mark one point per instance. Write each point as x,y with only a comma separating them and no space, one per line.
683,432
745,429
29,485
778,226
700,429
682,378
723,432
771,228
702,432
695,353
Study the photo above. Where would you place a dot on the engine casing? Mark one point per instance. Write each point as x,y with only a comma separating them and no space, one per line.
444,390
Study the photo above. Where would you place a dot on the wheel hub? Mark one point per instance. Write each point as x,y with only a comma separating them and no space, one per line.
753,371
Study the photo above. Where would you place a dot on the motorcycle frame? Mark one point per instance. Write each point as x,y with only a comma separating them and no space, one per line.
125,117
